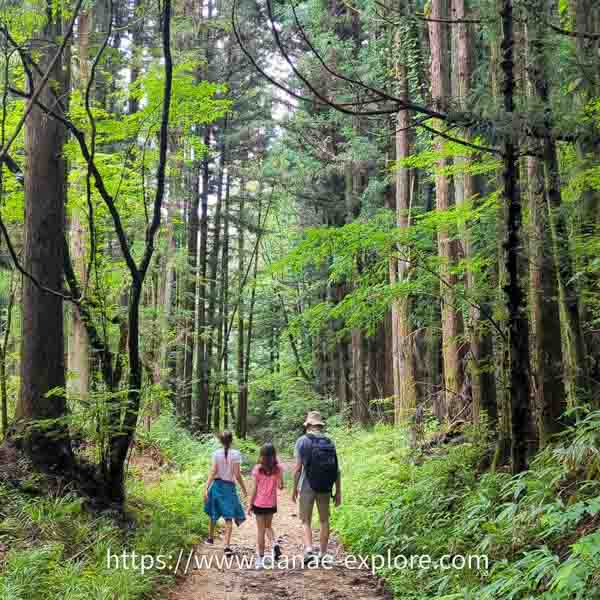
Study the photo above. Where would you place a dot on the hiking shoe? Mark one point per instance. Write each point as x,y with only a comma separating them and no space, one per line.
276,552
328,560
228,551
258,563
210,540
310,558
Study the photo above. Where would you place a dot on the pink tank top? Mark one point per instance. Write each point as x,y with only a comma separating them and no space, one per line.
266,487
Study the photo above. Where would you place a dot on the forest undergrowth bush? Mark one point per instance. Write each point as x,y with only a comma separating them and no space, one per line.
540,530
57,550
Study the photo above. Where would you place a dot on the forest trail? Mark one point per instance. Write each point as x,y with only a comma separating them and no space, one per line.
292,582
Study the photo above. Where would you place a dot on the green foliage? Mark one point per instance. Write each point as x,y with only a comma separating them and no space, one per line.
538,530
58,550
177,444
281,403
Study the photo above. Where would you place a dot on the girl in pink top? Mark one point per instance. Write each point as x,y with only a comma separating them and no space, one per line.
268,477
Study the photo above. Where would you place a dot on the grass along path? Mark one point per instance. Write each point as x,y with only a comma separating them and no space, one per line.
291,582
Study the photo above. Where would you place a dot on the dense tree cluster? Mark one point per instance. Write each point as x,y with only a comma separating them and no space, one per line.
237,210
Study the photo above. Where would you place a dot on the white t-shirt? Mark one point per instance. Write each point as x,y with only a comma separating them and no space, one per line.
225,465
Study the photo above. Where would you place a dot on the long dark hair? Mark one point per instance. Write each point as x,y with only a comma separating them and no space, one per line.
226,438
268,460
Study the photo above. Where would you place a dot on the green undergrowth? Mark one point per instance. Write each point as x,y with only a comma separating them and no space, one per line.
540,531
57,550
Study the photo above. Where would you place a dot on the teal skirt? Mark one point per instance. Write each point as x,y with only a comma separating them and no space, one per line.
224,503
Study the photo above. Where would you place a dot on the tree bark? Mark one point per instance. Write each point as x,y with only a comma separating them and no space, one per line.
78,343
451,317
517,330
222,316
569,294
586,17
123,431
224,345
241,425
3,351
482,385
202,400
42,366
189,409
546,338
212,294
405,387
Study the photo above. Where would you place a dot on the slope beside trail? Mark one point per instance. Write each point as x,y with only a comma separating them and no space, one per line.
292,582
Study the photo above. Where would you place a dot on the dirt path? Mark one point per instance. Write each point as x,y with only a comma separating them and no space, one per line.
289,583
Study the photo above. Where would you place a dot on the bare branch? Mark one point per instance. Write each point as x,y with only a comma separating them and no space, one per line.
92,121
36,93
24,272
575,34
444,134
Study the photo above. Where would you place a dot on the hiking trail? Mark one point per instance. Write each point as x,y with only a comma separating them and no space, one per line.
293,582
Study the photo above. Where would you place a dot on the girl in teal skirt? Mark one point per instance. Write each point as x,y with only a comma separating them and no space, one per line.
221,499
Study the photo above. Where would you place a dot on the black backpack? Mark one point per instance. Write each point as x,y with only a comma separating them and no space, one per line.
322,464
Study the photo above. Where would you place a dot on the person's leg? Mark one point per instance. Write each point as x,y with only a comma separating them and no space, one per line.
211,530
228,528
323,501
260,534
324,536
305,505
270,535
275,544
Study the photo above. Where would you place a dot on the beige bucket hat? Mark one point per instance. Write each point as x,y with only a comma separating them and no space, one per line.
314,418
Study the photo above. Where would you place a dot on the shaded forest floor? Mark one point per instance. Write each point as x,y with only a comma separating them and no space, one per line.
291,582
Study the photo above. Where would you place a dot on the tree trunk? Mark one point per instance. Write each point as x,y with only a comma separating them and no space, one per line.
518,326
212,294
202,324
241,425
405,389
451,317
546,338
136,31
465,190
168,294
569,294
123,431
3,352
546,344
586,18
224,352
42,344
78,343
189,409
251,319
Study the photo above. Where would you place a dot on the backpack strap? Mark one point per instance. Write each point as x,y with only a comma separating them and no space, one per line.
311,437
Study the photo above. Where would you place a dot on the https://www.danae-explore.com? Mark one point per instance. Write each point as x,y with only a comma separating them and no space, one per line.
184,562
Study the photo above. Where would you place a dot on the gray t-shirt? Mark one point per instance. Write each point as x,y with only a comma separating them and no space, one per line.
302,454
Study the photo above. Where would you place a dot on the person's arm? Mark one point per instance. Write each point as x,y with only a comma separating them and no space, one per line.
237,473
211,478
338,489
297,468
297,471
281,478
253,497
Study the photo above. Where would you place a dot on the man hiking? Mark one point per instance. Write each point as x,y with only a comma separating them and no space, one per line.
316,473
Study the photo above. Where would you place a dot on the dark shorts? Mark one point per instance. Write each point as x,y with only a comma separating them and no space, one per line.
261,510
